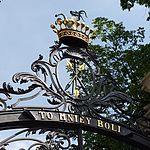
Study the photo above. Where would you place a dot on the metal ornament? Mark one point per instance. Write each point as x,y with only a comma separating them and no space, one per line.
70,81
54,140
78,95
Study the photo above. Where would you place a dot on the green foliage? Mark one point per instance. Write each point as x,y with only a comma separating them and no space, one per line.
102,142
114,35
122,55
128,4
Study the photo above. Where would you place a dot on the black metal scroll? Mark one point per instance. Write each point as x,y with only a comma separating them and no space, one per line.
81,94
72,85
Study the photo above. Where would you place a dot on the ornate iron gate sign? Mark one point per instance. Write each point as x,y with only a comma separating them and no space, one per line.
72,105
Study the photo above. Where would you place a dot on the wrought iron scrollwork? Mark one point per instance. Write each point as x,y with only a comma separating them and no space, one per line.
55,139
72,82
78,14
78,92
3,105
94,95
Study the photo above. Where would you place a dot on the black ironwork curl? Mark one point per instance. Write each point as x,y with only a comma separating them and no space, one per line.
55,140
60,95
94,95
3,105
87,92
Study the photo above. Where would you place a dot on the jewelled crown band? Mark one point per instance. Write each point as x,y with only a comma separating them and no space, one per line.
72,32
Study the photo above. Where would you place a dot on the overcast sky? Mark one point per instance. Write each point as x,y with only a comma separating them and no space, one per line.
25,32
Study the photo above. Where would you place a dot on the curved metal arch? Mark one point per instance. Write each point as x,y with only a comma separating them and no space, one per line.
92,102
23,119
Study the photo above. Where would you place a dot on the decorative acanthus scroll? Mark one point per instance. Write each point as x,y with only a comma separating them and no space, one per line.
87,91
71,81
54,139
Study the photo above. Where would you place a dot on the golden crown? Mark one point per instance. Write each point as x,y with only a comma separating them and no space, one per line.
72,32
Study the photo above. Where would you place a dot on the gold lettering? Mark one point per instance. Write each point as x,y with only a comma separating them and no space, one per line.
70,117
62,117
49,115
100,123
81,119
42,114
88,120
107,125
113,128
75,118
119,129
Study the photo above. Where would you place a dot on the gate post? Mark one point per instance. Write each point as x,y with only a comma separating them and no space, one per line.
80,139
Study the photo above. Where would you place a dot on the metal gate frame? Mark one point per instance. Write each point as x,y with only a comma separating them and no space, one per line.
78,106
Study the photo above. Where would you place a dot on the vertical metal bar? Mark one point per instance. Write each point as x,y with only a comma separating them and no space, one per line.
80,139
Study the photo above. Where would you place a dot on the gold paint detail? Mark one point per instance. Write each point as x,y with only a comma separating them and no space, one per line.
77,92
70,117
69,65
119,129
82,67
81,119
62,117
74,118
100,123
42,114
107,125
88,120
73,33
49,115
113,128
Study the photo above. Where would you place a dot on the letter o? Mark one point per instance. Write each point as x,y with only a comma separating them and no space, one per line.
107,125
